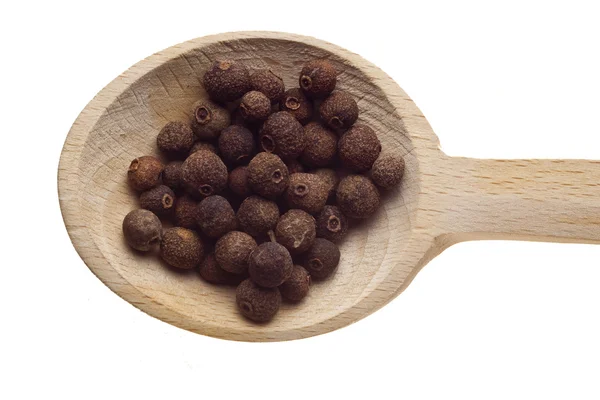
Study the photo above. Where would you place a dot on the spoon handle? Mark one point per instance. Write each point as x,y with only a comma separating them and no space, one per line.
541,200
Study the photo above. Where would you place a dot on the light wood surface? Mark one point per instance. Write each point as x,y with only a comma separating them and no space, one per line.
441,201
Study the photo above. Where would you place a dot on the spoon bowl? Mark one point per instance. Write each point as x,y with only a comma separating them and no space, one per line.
441,200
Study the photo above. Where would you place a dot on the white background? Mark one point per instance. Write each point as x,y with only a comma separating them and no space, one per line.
485,320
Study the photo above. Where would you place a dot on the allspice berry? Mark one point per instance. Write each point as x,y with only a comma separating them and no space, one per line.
296,231
255,106
203,146
145,172
186,209
270,265
215,216
321,146
296,103
294,166
233,251
282,135
257,303
268,83
295,288
387,171
226,80
211,272
318,78
321,259
257,215
307,192
332,224
330,178
142,229
181,248
357,196
236,145
238,182
209,119
339,110
175,139
268,175
160,200
358,148
171,175
204,174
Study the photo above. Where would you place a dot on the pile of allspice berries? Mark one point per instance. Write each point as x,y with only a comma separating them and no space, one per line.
261,184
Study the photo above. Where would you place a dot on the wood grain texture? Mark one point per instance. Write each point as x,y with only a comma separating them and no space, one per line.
441,201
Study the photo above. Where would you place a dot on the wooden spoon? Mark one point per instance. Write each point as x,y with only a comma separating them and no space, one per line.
443,200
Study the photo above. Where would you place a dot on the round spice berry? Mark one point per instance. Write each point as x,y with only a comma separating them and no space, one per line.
175,139
255,106
358,148
171,175
186,209
142,229
268,176
268,83
296,231
204,174
226,80
145,172
318,78
387,171
296,103
282,135
307,192
270,265
209,119
203,146
257,303
236,145
321,259
295,288
357,196
160,200
238,182
339,111
330,178
215,216
257,215
211,272
332,224
294,166
181,248
233,251
321,146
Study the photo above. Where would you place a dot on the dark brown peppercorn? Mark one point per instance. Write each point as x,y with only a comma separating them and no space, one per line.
215,217
257,215
358,148
203,146
318,78
211,272
266,82
145,172
186,209
233,251
204,174
171,175
296,231
160,200
330,178
322,259
175,139
142,229
296,103
282,135
226,80
321,146
268,176
339,110
294,166
255,106
270,265
238,182
209,119
295,288
357,196
256,303
181,248
387,171
236,145
332,224
307,192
